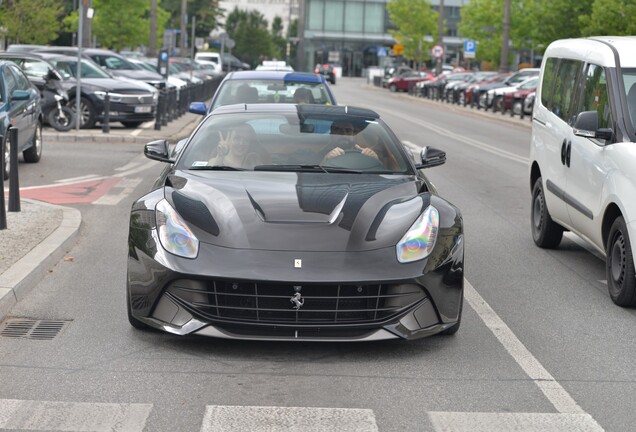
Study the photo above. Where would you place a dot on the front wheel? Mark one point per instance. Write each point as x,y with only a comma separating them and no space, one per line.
545,232
393,88
62,119
88,116
34,152
621,280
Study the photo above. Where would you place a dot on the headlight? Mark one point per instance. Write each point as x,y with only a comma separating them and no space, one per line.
174,234
419,240
112,97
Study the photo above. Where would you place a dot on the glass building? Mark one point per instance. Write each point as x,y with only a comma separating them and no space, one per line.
352,33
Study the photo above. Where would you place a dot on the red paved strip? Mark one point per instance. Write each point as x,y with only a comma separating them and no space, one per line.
73,193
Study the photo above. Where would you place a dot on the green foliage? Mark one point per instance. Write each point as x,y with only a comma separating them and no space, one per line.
610,17
251,35
279,43
482,20
414,20
32,21
558,20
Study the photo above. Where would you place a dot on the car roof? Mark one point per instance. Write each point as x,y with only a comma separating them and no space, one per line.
275,75
307,109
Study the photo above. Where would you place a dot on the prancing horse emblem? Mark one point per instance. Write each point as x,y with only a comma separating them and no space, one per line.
297,300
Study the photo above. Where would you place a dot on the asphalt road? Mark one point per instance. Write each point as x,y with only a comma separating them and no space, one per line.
541,346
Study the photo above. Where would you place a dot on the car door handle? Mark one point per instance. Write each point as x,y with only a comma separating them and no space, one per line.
567,154
563,151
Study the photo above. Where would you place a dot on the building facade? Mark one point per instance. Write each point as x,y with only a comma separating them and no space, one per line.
355,33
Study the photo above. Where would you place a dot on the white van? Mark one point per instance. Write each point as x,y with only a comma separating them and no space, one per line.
583,152
213,57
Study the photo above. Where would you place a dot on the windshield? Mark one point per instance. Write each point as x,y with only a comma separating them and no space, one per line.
294,142
89,69
268,91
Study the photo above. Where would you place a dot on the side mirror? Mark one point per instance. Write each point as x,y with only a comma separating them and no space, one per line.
52,75
586,125
20,95
158,150
431,157
198,108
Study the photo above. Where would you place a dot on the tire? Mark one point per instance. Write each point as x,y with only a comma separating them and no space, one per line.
5,149
333,81
621,279
62,123
88,115
131,124
34,153
393,88
546,233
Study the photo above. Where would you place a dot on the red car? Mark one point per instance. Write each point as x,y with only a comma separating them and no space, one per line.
402,82
514,100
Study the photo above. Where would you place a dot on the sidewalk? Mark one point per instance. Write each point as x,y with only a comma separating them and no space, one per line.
39,236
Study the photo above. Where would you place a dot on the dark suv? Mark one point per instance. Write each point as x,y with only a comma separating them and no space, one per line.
328,71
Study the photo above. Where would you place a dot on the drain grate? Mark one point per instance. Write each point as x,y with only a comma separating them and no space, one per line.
31,329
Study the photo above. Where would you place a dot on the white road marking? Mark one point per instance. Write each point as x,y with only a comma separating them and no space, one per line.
120,191
511,422
72,416
136,132
128,166
287,419
137,169
468,141
78,179
555,393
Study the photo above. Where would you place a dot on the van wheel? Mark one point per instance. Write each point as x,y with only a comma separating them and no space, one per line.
546,233
621,281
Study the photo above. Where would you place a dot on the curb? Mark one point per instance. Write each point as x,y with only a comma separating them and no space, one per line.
17,281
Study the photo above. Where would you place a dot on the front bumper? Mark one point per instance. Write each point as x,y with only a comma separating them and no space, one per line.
247,294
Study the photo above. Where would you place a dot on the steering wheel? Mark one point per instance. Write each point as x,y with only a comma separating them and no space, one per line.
354,159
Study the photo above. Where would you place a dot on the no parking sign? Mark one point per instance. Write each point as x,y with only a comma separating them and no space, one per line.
437,51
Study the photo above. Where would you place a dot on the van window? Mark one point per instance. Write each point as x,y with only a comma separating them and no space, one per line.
629,80
566,78
595,95
549,74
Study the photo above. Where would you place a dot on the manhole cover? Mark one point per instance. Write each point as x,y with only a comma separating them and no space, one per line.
25,328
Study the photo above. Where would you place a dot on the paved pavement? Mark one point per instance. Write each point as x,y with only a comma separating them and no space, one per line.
38,237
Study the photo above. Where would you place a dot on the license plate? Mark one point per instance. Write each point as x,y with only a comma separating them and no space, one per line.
143,109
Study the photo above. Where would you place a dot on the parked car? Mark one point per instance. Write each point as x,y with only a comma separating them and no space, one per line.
214,250
582,157
405,81
231,63
327,70
474,91
131,102
489,92
117,65
273,65
502,103
213,57
515,100
19,109
266,87
460,94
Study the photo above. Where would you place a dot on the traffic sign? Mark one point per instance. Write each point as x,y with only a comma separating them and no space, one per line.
470,47
437,51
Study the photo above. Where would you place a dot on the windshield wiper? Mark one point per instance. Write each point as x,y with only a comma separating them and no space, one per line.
215,168
291,167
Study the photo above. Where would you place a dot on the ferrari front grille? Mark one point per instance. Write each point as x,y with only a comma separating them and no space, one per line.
304,304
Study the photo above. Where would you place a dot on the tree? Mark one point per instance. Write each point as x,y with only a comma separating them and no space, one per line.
279,42
414,19
32,21
207,13
113,32
251,35
610,17
553,26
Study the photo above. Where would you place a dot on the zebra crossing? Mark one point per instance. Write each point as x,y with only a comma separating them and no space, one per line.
31,415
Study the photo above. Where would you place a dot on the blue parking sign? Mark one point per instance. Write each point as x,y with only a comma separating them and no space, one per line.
470,47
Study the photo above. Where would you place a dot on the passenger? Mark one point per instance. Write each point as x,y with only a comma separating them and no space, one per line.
237,148
303,95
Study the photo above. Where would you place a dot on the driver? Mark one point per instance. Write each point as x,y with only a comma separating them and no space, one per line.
343,138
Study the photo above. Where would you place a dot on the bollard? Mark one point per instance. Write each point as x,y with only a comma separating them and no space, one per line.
14,184
158,114
512,107
3,213
164,108
106,120
523,103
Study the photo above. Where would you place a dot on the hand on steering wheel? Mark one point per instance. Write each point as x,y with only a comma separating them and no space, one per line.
366,151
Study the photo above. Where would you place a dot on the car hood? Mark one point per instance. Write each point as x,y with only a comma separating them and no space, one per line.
137,74
107,84
296,211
